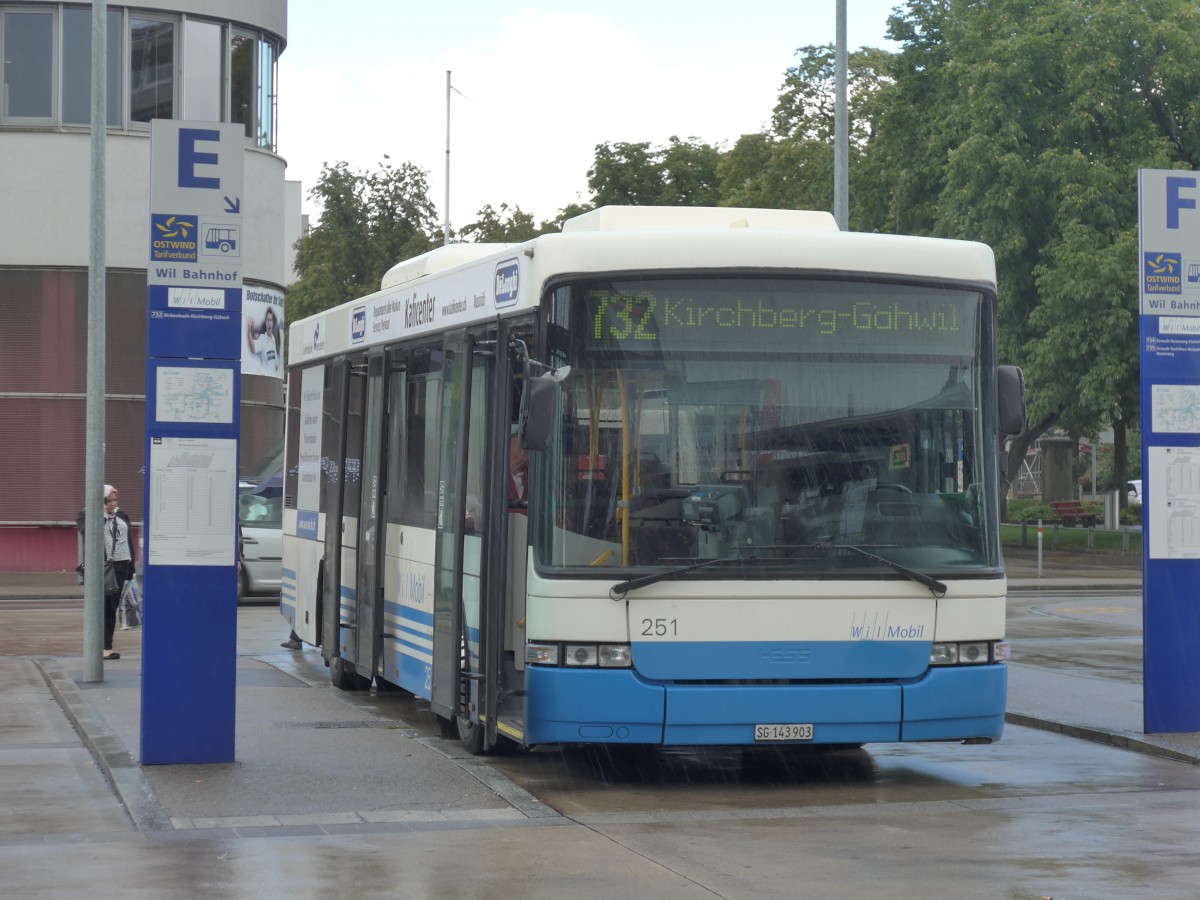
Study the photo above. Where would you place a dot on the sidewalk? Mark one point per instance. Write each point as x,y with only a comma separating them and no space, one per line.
40,586
285,706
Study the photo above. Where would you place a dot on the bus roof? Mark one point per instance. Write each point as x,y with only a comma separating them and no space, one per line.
464,283
656,218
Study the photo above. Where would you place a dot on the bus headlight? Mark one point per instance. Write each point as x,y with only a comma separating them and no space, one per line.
972,654
968,653
615,656
541,654
604,656
943,655
582,654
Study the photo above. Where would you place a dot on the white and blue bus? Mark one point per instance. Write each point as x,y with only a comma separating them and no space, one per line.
760,502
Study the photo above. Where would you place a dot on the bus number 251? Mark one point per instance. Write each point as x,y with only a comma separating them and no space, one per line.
660,627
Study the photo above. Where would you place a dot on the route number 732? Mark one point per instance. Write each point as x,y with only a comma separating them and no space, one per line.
622,317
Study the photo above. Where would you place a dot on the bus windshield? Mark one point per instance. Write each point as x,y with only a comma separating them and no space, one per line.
781,420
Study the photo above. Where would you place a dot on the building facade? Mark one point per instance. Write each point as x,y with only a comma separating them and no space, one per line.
214,60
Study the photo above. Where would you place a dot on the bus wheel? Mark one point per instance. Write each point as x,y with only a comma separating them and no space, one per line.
472,735
345,678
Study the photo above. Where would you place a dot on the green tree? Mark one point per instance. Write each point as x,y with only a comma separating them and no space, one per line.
625,174
762,171
791,165
682,173
369,222
506,225
569,211
1023,125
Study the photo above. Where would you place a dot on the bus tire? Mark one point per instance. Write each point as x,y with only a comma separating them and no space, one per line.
472,736
344,676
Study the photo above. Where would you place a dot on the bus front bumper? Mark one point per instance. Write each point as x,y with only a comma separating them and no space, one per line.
571,706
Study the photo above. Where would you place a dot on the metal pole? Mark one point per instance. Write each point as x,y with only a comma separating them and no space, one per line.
93,482
446,216
841,127
1095,441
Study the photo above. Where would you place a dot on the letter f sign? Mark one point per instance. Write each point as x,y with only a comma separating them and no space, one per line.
1175,202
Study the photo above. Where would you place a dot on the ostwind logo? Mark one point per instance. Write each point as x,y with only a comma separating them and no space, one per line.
174,227
1162,264
1161,273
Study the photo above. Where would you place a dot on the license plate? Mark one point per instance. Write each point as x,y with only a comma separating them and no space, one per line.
783,732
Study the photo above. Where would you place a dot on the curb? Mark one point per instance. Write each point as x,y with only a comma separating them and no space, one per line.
1033,586
117,763
1122,740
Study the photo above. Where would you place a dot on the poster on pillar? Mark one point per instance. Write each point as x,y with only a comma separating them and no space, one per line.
262,350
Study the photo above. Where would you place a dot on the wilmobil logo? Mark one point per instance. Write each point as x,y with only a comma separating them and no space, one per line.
507,282
358,325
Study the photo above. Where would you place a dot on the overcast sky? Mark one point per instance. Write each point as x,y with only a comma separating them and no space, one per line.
536,85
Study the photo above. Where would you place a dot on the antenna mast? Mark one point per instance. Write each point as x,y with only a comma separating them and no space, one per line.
446,215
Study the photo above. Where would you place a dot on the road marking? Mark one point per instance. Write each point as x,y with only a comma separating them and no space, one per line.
1085,610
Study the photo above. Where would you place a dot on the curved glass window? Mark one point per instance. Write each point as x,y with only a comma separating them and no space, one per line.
159,66
151,69
203,85
252,87
77,67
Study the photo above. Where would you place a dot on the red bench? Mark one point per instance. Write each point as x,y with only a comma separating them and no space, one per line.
1071,512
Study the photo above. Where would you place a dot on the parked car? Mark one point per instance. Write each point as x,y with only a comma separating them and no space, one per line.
1133,493
260,512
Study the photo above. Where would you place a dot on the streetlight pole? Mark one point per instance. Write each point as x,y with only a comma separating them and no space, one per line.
841,127
93,480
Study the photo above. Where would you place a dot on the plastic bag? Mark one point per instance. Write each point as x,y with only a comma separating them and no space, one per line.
130,611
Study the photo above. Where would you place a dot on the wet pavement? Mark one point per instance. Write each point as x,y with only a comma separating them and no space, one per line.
336,792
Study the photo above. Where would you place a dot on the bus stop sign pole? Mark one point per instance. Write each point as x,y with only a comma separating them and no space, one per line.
193,366
1169,332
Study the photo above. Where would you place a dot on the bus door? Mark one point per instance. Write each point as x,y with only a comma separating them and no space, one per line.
368,587
346,393
464,689
409,537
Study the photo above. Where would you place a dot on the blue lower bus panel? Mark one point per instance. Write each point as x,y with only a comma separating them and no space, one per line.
570,706
956,702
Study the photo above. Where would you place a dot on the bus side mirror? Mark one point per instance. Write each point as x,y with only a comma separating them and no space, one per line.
539,408
1010,391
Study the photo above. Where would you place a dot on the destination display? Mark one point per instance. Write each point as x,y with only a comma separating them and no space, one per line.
765,314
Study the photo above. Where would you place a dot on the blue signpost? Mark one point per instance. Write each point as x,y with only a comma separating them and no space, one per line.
1169,298
193,366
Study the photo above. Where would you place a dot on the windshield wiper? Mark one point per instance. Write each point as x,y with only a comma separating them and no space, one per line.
935,587
621,588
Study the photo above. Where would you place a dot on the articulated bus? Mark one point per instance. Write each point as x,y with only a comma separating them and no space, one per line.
758,497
